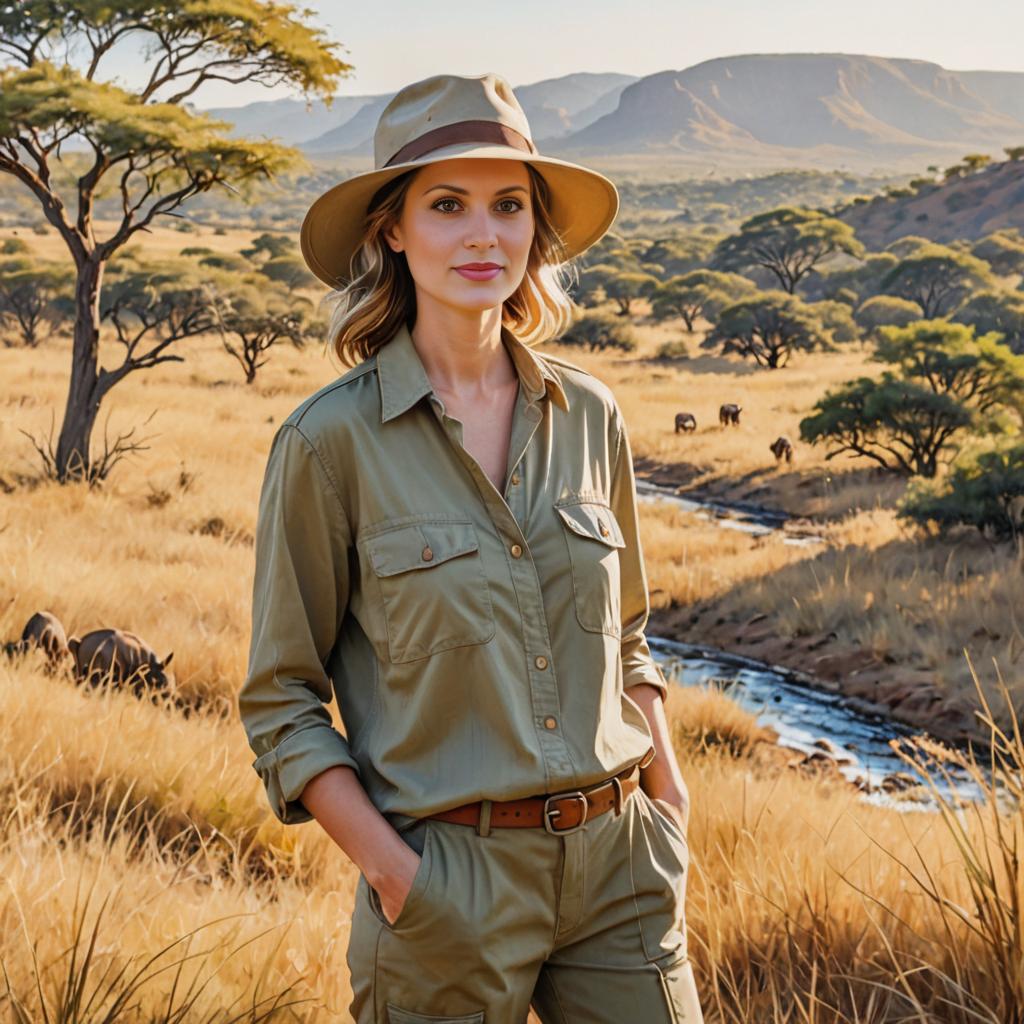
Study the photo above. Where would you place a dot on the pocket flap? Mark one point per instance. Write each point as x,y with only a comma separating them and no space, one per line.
594,520
420,546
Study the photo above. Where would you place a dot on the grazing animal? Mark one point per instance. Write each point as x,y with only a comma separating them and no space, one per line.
782,448
685,421
45,631
127,658
729,413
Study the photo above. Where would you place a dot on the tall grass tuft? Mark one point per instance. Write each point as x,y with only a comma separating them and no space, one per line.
86,992
987,835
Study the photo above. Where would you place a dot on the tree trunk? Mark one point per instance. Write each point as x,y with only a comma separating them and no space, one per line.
72,457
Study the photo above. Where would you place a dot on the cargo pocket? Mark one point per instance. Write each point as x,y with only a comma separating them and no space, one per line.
396,1015
593,536
659,866
433,589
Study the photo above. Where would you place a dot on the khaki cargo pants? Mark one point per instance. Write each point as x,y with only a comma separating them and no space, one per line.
589,926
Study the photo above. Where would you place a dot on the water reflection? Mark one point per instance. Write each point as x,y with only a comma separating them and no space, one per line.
746,518
802,715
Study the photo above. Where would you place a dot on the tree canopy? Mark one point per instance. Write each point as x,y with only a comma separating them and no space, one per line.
943,381
148,149
788,242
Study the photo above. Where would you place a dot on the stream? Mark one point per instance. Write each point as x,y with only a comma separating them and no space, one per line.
779,698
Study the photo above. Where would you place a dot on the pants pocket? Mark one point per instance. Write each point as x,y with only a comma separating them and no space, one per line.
396,1015
418,837
659,863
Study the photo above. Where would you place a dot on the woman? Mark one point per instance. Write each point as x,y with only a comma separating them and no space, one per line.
447,542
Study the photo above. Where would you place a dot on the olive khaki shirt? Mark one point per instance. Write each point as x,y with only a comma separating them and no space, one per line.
480,642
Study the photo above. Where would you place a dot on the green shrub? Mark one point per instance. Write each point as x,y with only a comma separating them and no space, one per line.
985,491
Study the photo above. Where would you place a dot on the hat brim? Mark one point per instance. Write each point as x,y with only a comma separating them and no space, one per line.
584,203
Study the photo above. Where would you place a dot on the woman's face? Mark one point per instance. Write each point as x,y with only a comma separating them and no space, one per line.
459,212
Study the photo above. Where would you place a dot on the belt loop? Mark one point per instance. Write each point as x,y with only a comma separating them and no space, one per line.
483,825
617,786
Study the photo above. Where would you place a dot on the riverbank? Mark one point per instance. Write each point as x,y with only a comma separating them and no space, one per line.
822,661
873,682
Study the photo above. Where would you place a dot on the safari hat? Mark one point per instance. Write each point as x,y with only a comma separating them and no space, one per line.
439,118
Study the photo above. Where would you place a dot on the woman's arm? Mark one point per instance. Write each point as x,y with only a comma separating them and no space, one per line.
337,800
300,594
642,679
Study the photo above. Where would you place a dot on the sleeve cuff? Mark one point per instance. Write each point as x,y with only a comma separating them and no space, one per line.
639,666
302,756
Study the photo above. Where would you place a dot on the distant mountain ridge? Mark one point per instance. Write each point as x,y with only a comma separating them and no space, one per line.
554,107
810,108
871,105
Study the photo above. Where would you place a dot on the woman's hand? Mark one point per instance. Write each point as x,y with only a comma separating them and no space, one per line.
337,800
661,780
394,889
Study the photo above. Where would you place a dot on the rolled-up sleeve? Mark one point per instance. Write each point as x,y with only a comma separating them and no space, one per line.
300,593
638,664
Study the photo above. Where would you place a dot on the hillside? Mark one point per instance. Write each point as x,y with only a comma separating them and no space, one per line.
967,207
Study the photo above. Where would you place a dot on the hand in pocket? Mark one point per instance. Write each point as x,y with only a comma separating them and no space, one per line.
392,896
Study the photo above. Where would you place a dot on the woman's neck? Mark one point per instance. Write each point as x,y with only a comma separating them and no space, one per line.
463,354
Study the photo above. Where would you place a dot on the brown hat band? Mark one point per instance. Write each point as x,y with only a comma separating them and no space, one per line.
462,131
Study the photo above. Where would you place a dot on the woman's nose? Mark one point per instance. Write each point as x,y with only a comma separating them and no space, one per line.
481,230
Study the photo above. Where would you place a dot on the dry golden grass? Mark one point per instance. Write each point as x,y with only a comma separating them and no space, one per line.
803,904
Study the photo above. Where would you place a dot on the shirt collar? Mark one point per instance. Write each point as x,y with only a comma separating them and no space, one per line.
403,381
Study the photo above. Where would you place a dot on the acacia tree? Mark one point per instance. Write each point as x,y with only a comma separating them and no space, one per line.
944,382
937,278
902,425
789,242
999,311
626,287
769,327
253,315
700,293
144,148
30,296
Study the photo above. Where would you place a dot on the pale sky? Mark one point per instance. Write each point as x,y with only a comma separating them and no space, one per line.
395,42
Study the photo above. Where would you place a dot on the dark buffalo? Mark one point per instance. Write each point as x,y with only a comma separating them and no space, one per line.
127,657
729,413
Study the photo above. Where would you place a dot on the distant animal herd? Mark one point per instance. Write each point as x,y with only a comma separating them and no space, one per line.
729,415
101,655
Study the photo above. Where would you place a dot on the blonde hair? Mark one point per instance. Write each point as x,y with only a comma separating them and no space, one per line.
381,293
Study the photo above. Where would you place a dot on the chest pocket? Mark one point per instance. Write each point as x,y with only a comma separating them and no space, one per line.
433,588
594,537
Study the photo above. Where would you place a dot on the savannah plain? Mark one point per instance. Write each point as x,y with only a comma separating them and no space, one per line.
146,879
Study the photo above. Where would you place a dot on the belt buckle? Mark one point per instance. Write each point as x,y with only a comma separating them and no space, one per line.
574,795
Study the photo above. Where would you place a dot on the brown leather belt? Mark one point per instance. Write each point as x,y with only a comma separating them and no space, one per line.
573,808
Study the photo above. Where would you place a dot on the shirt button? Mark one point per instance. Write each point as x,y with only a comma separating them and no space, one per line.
550,722
604,529
515,478
427,554
516,550
540,661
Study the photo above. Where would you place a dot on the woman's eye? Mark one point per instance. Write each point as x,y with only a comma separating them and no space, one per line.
438,205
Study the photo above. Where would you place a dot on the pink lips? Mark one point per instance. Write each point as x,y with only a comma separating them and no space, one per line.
479,271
